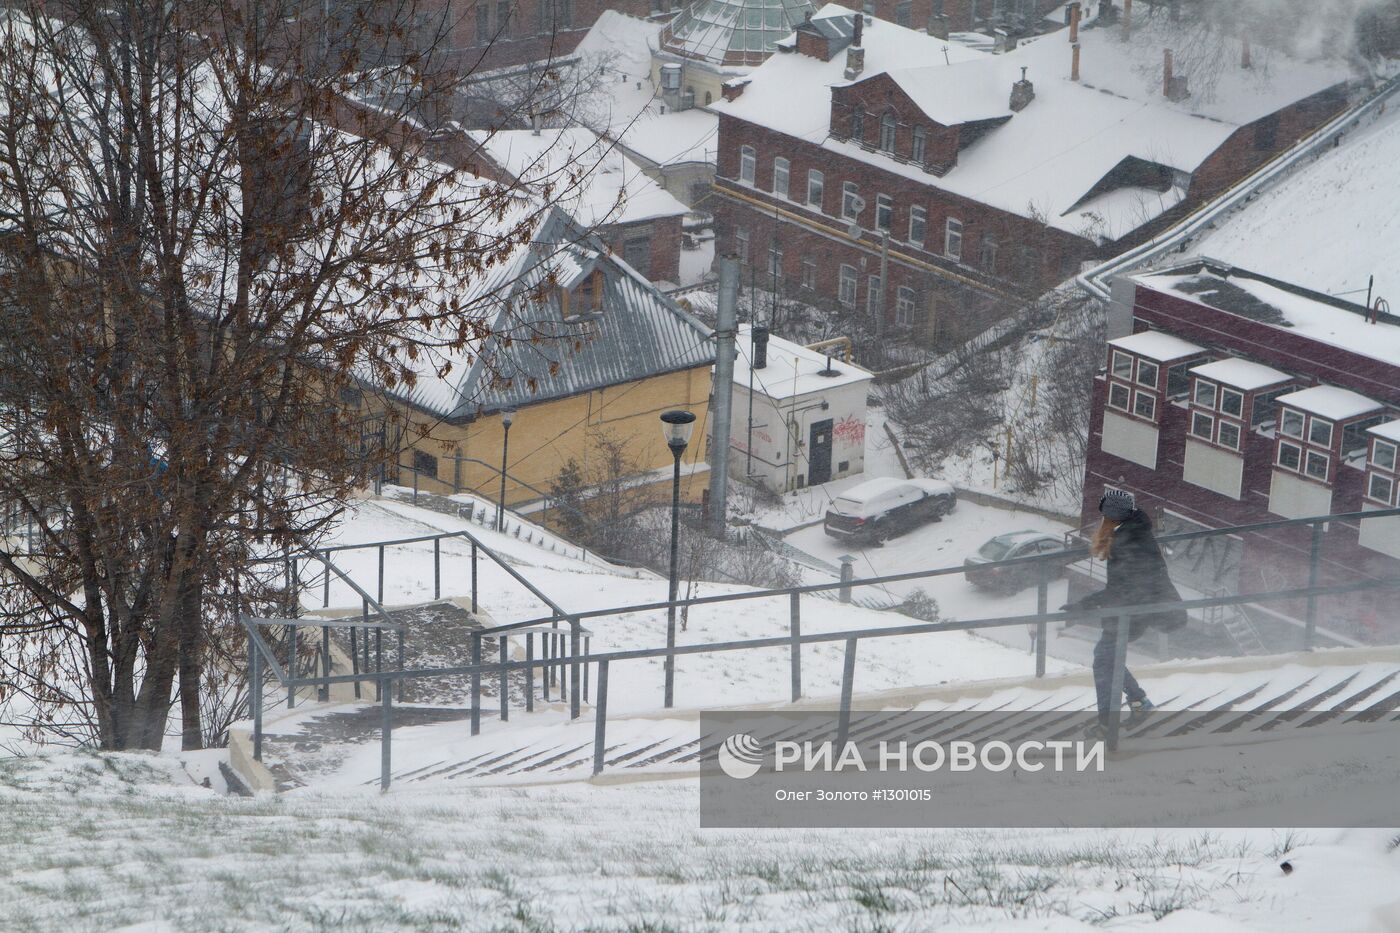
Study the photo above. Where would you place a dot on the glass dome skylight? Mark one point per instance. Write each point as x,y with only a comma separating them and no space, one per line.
733,32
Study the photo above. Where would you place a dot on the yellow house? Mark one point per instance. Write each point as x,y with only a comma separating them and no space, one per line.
583,355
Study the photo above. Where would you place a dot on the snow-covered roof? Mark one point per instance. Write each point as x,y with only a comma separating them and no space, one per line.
733,32
1330,402
792,370
1389,430
1241,374
628,108
1323,318
1324,226
1048,158
1156,345
585,175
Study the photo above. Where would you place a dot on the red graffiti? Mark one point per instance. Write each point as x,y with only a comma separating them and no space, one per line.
850,431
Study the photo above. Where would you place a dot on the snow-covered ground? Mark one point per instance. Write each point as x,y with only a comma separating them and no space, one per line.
702,680
129,842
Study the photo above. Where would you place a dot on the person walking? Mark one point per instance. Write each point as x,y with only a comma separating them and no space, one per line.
1136,576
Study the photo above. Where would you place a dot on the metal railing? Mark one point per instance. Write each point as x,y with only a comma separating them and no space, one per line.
559,664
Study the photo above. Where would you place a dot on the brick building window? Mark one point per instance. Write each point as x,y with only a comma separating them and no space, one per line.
858,124
1381,488
873,297
989,254
816,188
741,243
884,212
781,169
1119,396
1145,405
903,11
918,225
483,23
775,262
636,252
889,130
1202,426
503,18
748,164
850,200
904,304
920,145
1380,471
846,287
1227,434
952,239
809,273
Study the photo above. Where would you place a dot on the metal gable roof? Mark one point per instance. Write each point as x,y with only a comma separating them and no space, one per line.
540,355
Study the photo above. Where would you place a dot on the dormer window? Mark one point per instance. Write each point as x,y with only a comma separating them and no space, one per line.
857,124
584,298
889,130
920,145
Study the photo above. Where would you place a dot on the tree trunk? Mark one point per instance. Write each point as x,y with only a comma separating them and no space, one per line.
191,667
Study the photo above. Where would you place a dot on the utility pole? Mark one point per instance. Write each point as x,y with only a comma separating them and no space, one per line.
884,288
723,393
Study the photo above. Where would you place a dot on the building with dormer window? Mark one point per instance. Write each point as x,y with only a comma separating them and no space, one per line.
989,175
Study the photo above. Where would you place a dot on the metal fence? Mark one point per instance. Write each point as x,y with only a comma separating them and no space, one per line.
566,664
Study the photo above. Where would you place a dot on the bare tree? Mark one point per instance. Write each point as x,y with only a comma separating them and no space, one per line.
199,269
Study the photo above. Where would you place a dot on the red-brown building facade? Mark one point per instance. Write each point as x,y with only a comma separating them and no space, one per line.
1240,399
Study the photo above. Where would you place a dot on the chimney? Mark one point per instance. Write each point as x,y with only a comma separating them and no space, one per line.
1074,24
855,62
1074,62
760,347
857,24
535,121
938,25
1245,60
1022,93
731,89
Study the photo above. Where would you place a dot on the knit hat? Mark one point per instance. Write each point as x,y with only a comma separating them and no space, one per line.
1117,504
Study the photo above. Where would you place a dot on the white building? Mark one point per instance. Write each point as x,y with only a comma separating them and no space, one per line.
803,421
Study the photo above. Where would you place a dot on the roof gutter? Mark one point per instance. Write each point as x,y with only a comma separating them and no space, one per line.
1096,281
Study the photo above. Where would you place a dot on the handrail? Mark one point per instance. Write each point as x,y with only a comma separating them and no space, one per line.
920,628
1069,554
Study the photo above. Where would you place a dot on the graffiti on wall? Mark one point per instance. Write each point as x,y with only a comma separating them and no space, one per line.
850,431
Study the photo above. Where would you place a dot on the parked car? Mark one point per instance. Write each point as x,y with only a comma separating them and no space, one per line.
1010,546
883,508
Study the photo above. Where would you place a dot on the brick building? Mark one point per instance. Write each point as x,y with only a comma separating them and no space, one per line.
993,175
1240,398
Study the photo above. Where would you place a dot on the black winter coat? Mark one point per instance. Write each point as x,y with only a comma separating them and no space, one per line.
1137,576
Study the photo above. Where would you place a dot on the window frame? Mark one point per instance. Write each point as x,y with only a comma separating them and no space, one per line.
1151,397
1227,392
741,244
1113,361
1283,423
809,273
816,178
858,124
1201,386
906,302
918,213
889,132
1313,422
1127,405
1308,459
1371,478
786,175
748,165
918,148
874,296
1376,444
1297,451
1156,374
884,204
953,234
849,191
1200,417
1221,425
842,280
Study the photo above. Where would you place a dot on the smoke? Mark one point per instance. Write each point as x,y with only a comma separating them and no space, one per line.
1308,29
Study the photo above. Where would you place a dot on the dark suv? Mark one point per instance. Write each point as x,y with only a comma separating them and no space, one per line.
882,508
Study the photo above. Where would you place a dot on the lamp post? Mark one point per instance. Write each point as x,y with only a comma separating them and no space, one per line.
507,418
676,426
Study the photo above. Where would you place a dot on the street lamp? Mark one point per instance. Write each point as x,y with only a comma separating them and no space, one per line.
676,427
507,418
